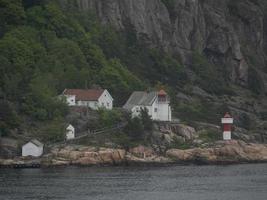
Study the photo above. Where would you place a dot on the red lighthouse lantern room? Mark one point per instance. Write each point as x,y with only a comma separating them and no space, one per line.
227,122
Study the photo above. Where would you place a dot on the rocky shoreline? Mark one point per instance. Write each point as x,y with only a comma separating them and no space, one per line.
222,152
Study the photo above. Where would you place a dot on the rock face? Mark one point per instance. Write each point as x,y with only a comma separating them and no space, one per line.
230,33
224,152
86,156
9,148
187,132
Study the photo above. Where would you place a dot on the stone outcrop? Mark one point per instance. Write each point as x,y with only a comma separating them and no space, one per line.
86,156
187,132
222,152
233,151
76,155
227,32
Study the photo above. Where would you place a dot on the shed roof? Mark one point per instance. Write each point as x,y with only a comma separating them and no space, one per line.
162,93
37,143
140,98
84,94
227,115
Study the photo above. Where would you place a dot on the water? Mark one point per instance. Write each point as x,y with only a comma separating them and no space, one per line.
236,182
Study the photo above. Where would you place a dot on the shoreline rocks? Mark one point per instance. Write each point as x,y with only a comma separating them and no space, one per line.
233,151
222,152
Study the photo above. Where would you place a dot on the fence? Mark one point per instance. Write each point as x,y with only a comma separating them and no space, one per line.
92,132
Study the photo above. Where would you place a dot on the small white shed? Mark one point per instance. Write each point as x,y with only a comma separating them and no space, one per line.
70,132
33,148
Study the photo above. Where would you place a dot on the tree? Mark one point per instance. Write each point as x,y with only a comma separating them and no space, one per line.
135,128
8,117
146,119
119,80
54,131
11,13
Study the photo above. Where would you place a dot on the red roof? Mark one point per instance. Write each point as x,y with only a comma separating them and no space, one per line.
162,93
227,115
84,95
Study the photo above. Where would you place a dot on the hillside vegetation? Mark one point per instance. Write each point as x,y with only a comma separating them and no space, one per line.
45,48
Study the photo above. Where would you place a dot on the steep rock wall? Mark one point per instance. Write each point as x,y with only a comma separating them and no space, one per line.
229,33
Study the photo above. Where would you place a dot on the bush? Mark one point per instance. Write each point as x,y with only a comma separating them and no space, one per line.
178,144
109,118
146,120
135,129
210,135
255,82
54,131
8,118
209,77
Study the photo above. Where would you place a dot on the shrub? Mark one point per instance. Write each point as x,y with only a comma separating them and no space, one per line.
109,118
208,76
210,135
54,131
135,129
255,82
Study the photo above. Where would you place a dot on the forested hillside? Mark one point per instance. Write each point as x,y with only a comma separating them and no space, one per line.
47,46
45,49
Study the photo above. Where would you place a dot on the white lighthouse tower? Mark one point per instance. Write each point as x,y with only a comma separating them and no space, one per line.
227,122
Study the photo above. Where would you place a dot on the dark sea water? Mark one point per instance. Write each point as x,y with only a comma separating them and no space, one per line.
235,182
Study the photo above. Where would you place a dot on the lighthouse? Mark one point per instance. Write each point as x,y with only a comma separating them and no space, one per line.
227,122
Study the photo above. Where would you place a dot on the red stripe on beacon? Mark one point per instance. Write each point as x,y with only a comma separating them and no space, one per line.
227,122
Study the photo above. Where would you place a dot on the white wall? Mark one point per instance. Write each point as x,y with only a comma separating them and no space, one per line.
91,104
152,112
70,132
106,100
227,135
31,149
158,111
164,112
70,100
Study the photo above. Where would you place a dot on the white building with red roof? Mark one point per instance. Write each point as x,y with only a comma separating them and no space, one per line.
157,104
92,98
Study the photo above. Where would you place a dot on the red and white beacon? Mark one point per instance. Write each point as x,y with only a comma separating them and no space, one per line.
227,122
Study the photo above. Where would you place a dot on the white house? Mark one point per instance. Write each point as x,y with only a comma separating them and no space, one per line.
157,104
70,132
33,148
92,98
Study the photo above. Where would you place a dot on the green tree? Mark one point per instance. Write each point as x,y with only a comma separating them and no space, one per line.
146,119
208,76
135,129
8,117
11,13
54,131
119,80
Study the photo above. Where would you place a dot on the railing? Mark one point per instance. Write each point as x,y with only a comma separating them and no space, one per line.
92,132
100,131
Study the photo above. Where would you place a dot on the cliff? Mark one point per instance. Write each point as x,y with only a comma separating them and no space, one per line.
231,34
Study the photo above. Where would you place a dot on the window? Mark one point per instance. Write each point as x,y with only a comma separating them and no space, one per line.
103,104
155,110
107,104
